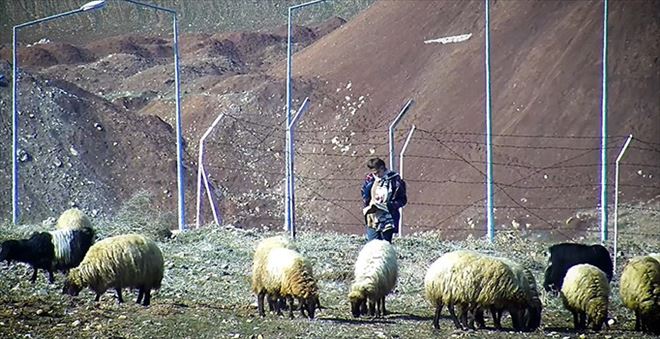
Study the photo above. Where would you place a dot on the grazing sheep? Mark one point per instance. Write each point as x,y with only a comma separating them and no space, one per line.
473,282
72,218
438,285
288,275
585,292
529,318
56,250
375,275
124,261
259,267
36,251
565,255
640,292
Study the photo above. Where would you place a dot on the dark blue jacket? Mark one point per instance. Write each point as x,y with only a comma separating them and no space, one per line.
396,198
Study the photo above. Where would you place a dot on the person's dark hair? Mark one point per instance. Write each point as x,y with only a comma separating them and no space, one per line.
375,163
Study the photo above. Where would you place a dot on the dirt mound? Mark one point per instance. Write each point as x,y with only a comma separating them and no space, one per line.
145,47
45,54
546,108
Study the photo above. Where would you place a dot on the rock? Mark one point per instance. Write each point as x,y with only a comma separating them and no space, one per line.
40,312
75,323
23,156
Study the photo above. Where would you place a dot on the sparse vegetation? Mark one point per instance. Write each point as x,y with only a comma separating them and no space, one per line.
206,289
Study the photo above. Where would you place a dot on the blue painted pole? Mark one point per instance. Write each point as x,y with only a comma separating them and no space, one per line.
489,147
287,174
179,132
603,133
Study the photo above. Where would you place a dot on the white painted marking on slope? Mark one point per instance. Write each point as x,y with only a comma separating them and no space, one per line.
450,39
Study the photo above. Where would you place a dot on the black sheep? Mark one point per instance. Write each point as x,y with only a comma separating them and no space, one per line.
57,250
565,255
37,251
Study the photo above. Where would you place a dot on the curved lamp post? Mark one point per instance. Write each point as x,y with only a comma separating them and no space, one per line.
179,141
14,93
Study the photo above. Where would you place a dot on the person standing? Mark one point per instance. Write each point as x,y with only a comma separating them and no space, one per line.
383,193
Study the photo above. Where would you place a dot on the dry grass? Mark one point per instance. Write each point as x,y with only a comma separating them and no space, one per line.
206,290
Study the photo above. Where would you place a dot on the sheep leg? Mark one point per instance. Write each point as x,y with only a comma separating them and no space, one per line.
98,297
290,299
51,277
436,317
576,321
583,320
638,322
479,317
119,297
467,319
382,302
260,303
140,295
497,317
302,308
147,297
372,308
452,312
33,279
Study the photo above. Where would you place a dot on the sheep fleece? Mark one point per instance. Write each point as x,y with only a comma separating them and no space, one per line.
586,289
122,261
640,285
72,218
261,256
289,274
376,270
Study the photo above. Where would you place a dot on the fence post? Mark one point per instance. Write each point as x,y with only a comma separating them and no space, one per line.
403,151
616,197
292,187
202,178
489,146
391,130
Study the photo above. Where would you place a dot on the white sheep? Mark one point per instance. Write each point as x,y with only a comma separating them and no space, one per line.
529,317
124,261
375,275
73,218
285,273
438,285
473,281
585,292
639,288
259,268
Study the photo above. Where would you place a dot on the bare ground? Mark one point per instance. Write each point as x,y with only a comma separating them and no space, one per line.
206,291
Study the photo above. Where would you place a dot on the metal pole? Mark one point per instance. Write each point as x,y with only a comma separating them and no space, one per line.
288,159
489,147
14,128
287,175
200,169
603,145
210,193
179,133
403,151
616,197
391,130
201,172
15,211
292,188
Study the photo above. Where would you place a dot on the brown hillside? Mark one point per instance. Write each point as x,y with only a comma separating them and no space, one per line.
546,64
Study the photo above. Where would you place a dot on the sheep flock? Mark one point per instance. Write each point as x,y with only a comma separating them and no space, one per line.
469,283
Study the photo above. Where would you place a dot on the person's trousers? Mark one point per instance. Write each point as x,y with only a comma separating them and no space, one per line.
373,233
